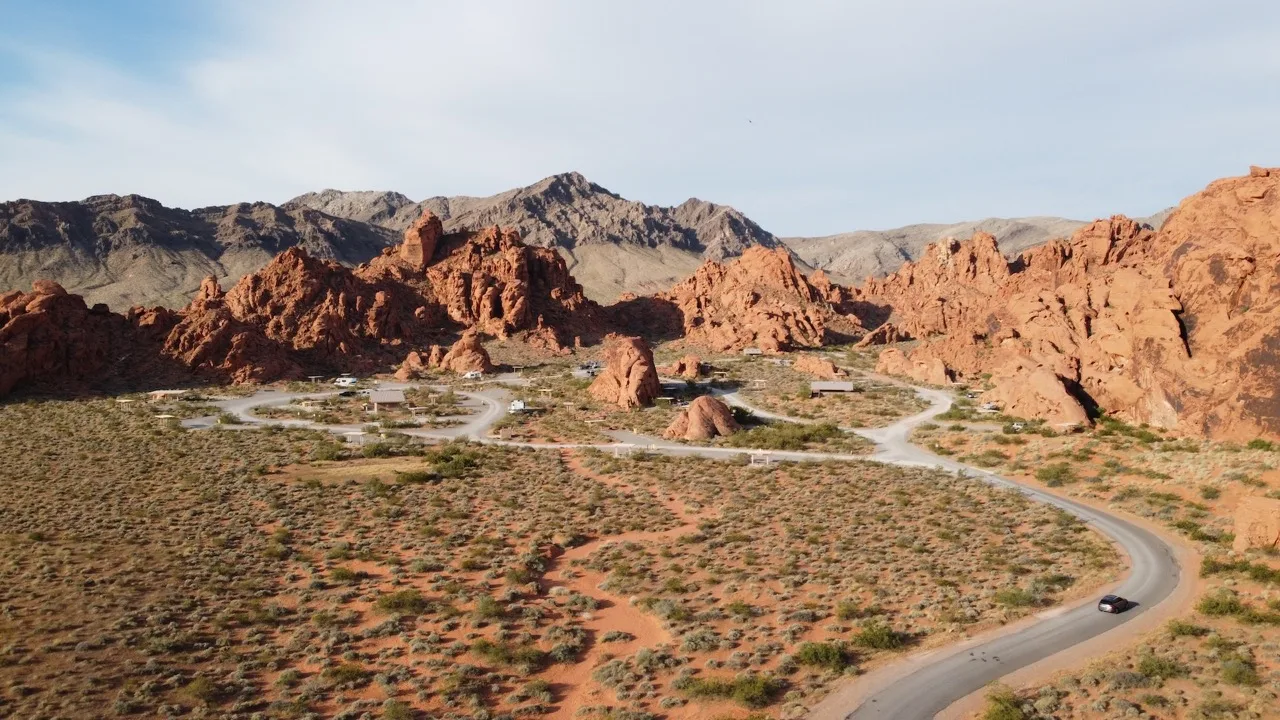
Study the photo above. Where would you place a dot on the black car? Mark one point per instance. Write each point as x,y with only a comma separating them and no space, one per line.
1113,604
347,393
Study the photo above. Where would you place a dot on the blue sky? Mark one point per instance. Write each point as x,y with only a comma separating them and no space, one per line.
811,117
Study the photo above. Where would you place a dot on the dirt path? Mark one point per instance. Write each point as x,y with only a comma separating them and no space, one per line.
572,683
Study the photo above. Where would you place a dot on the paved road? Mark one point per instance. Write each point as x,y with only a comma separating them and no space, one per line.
932,688
950,676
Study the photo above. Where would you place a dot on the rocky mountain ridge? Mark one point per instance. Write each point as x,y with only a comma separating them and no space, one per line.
1177,327
303,311
130,250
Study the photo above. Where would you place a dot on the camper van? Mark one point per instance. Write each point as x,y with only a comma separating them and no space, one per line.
473,375
345,381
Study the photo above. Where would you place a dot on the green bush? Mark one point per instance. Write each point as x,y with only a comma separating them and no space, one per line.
878,636
1165,668
829,656
1056,474
403,602
1015,597
753,691
488,609
506,654
1002,704
1221,603
1181,628
347,673
784,436
1239,672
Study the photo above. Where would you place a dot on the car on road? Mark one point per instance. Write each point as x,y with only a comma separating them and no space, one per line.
1113,604
347,393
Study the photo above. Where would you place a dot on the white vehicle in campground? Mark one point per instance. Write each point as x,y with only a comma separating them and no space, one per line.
473,375
345,382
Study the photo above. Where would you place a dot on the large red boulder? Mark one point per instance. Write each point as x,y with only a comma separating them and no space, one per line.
705,418
629,378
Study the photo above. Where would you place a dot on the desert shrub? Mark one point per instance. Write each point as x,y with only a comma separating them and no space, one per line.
487,608
750,690
848,610
987,458
416,477
1127,680
1209,492
203,690
396,710
1260,444
1056,474
878,636
1181,628
506,654
347,673
1154,700
829,656
1002,704
344,575
1220,603
785,436
403,602
1015,597
1237,671
1161,667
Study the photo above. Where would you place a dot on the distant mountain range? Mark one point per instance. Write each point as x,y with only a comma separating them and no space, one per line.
131,250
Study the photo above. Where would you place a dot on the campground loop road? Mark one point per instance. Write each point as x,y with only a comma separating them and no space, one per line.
948,675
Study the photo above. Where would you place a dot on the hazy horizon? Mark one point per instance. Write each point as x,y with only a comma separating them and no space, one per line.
813,119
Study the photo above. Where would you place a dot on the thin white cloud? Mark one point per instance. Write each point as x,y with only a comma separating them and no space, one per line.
812,117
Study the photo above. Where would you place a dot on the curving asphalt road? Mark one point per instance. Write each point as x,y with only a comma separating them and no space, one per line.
949,676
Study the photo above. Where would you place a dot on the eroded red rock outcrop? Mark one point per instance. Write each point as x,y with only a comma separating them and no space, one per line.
759,300
211,341
491,281
629,378
705,418
816,366
1179,327
688,367
299,311
466,355
49,335
1257,524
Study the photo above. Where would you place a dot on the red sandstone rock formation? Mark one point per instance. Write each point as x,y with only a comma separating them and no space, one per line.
816,366
629,378
1026,390
491,281
705,418
302,310
930,370
759,300
413,367
210,340
688,367
1257,524
1179,327
466,355
318,305
420,241
886,334
50,335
